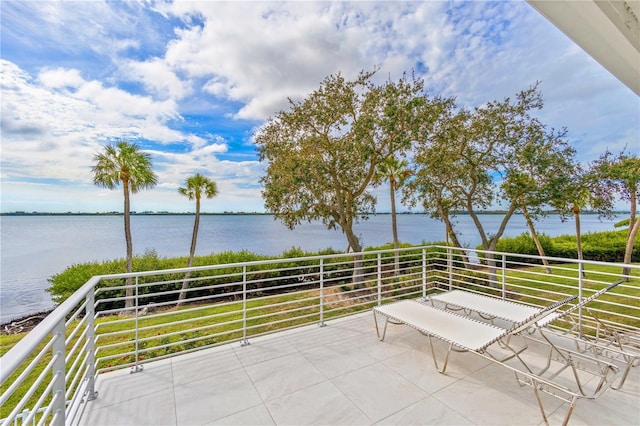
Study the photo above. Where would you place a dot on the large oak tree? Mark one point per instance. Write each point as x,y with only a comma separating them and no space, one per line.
536,174
322,153
487,158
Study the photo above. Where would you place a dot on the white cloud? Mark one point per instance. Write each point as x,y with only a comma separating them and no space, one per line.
157,77
261,53
60,78
78,27
215,148
87,72
54,124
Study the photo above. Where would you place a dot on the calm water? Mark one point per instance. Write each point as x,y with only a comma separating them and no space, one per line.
33,248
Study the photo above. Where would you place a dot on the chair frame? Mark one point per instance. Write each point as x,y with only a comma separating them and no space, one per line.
465,334
490,308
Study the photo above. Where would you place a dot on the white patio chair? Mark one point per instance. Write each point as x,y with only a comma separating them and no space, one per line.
467,334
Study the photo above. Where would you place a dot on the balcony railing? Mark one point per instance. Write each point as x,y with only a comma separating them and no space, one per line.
50,374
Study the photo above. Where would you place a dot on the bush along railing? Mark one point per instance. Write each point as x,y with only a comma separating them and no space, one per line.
52,372
608,246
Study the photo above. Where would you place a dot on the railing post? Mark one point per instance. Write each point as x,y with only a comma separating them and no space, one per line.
91,341
580,284
322,324
58,391
379,279
424,273
450,267
137,367
504,276
245,342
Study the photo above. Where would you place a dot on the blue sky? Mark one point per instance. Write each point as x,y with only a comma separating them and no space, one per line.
192,82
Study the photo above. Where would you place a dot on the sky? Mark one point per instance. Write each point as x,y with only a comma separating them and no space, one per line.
191,83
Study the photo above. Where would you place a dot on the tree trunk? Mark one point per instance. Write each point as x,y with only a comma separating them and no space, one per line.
629,248
394,226
536,240
127,236
358,270
632,216
192,252
632,233
490,244
450,233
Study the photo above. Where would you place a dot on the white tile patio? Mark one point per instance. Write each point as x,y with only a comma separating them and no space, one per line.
340,374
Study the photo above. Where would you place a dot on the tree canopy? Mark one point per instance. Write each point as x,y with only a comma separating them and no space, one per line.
326,153
124,163
323,152
498,154
621,174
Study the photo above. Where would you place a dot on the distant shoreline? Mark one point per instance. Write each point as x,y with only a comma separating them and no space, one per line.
149,213
134,214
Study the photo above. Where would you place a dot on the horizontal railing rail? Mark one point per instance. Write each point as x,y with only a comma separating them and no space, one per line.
50,374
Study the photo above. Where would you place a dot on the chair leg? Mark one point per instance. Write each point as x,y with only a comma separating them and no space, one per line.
534,385
624,375
572,405
384,331
515,352
435,360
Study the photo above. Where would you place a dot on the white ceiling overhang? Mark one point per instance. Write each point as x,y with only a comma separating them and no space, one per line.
608,30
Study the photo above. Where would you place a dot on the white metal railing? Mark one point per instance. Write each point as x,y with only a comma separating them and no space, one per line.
50,374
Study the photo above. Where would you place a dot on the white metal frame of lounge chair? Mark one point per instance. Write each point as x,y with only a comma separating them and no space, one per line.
613,350
489,307
615,347
461,332
467,334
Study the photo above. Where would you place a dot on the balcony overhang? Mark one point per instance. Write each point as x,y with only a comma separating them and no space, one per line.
608,30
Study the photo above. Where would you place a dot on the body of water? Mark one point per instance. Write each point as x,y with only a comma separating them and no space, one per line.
33,248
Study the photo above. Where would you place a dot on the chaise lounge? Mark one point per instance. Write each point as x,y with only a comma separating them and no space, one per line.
562,376
608,343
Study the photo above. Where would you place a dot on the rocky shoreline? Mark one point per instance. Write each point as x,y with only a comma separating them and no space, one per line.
23,324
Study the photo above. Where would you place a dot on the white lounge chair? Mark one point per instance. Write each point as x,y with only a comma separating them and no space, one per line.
467,334
608,343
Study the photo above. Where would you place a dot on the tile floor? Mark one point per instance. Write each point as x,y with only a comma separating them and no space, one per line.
340,374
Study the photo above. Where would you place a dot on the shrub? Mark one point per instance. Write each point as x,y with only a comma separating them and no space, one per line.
65,283
608,246
522,244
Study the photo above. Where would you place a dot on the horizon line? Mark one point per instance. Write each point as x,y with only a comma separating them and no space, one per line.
168,213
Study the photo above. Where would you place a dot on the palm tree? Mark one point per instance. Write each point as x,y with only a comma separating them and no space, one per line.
124,163
195,187
396,172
